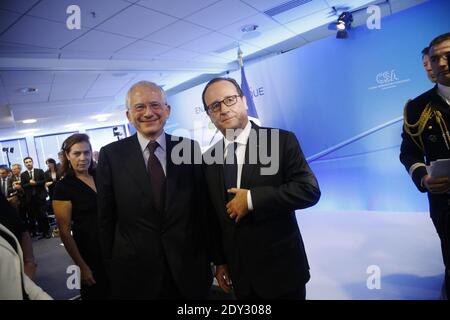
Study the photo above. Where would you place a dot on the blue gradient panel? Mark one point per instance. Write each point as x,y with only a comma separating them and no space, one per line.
331,91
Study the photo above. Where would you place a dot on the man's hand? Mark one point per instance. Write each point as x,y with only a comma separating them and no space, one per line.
223,277
17,186
49,183
238,207
436,185
32,182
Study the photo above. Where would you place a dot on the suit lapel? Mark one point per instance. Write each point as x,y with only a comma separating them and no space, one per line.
135,163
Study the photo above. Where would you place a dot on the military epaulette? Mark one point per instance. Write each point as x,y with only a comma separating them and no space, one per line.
416,114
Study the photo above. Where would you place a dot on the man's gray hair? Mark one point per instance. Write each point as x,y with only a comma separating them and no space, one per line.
17,165
146,84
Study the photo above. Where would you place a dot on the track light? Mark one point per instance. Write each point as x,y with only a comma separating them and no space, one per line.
344,23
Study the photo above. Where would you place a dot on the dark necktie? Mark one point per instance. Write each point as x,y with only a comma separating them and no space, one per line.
230,169
157,177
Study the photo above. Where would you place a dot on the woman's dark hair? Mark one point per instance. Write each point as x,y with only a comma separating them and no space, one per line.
52,161
66,168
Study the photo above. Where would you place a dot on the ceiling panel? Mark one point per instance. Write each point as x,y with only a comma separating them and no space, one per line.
269,37
99,41
172,36
40,32
109,84
209,43
20,6
12,78
222,13
136,22
263,5
6,19
301,11
141,47
71,85
180,10
178,54
14,95
310,22
92,12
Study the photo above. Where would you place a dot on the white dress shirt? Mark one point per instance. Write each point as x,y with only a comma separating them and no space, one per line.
160,152
241,140
444,92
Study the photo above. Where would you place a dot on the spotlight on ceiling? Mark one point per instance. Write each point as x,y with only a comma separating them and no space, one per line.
343,24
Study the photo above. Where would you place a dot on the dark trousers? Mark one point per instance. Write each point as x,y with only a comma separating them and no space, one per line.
37,212
442,224
298,294
169,290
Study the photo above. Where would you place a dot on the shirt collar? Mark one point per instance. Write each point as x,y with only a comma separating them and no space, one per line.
444,92
242,138
143,141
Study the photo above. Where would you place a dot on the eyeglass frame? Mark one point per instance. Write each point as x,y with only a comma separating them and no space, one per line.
153,105
219,104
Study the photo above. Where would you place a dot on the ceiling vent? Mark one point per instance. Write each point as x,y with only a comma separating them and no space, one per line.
285,7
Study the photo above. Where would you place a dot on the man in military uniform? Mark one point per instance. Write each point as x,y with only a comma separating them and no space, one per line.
426,138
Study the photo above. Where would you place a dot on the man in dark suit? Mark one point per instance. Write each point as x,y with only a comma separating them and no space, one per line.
255,199
5,182
152,217
33,183
425,138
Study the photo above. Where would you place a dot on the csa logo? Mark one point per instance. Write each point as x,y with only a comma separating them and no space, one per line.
387,80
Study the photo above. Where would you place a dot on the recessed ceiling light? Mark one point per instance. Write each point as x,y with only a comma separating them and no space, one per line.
72,125
29,121
29,90
101,116
102,119
249,28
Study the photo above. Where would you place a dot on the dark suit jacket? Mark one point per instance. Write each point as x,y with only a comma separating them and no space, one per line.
135,237
38,190
265,251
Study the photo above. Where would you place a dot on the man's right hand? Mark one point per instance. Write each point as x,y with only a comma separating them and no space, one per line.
436,185
223,277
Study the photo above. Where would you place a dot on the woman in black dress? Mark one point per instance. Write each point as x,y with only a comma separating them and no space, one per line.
51,176
75,207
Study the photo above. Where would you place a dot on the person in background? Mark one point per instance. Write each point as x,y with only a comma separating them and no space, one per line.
75,207
427,65
52,176
33,182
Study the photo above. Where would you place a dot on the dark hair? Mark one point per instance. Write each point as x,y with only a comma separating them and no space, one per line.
439,39
52,161
26,158
66,169
425,51
231,80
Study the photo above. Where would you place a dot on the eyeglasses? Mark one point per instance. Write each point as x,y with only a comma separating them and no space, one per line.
141,107
228,101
